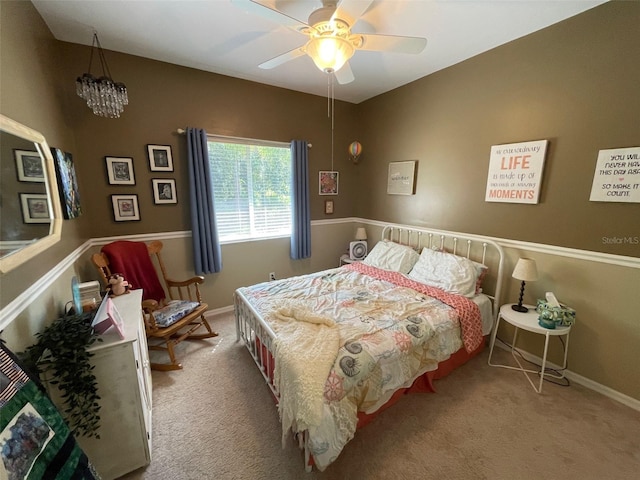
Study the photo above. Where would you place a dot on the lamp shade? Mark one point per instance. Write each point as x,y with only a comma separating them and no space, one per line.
525,270
329,53
361,233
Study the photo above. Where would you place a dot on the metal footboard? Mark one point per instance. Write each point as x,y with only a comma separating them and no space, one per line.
259,339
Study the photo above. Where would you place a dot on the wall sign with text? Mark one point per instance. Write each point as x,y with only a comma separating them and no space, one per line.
515,172
617,176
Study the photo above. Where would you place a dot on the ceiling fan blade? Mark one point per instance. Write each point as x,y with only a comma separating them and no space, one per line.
393,43
269,12
344,75
280,59
351,10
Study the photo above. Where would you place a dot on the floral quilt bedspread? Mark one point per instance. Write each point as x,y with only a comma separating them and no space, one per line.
390,334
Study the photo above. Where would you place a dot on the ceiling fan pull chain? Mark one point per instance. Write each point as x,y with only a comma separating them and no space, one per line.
333,112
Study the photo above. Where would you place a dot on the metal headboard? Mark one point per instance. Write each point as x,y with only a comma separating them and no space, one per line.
474,247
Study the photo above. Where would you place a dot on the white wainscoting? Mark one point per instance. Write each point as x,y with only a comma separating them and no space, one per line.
19,304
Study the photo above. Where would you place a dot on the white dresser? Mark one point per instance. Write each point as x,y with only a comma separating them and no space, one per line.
124,386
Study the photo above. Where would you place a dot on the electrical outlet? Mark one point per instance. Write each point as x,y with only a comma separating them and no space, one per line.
272,276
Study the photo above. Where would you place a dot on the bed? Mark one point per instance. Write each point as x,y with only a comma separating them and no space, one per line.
338,347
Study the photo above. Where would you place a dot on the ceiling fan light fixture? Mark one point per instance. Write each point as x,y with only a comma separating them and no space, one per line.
329,53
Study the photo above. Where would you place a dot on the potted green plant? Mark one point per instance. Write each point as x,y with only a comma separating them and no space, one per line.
60,358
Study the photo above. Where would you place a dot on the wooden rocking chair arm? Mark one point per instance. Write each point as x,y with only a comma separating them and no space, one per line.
184,283
149,305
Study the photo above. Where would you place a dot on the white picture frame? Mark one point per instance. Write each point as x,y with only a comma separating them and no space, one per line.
617,176
164,191
120,171
35,208
328,182
125,208
30,166
515,172
401,178
160,158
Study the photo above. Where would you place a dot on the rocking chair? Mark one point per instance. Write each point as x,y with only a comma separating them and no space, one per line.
167,321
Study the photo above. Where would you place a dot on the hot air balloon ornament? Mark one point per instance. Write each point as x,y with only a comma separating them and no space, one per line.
355,149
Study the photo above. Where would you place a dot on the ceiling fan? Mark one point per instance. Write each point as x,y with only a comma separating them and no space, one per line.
330,41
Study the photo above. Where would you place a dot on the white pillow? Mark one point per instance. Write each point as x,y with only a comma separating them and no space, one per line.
444,270
392,256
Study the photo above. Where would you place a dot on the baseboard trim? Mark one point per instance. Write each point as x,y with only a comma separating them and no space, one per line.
585,382
218,311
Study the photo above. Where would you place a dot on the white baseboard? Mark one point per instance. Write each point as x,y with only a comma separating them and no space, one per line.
585,382
218,311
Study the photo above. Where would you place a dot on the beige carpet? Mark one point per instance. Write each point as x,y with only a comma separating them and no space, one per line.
216,419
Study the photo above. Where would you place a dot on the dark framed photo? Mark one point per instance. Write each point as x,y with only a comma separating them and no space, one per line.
29,166
67,183
160,159
125,208
164,190
35,208
120,171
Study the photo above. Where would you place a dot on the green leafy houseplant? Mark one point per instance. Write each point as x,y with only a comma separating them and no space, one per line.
60,357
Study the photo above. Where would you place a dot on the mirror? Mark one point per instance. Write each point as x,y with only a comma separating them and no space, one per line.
30,213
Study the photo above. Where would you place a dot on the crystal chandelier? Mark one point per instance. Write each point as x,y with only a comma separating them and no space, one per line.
104,96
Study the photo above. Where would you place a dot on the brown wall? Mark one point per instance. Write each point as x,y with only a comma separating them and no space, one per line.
576,84
165,97
31,93
543,86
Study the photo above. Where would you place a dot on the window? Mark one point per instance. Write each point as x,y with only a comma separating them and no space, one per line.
251,188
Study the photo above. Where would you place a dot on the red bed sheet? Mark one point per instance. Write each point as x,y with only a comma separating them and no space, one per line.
422,384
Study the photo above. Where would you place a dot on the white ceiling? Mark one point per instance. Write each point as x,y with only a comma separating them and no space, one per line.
218,36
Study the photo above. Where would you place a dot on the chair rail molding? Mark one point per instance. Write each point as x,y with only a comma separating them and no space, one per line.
11,311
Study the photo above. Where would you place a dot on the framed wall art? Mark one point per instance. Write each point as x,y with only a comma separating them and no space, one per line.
160,159
67,183
35,208
120,171
401,178
29,166
515,172
328,183
617,176
125,208
164,190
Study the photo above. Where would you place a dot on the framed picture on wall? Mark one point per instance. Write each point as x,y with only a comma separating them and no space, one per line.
35,208
164,190
29,166
160,159
401,178
67,183
120,171
328,183
125,208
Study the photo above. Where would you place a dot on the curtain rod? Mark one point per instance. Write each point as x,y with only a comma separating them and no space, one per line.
182,131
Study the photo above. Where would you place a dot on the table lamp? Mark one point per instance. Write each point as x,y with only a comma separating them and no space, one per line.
361,233
527,272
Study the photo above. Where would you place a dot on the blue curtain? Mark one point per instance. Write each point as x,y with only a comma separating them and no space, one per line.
207,256
301,211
